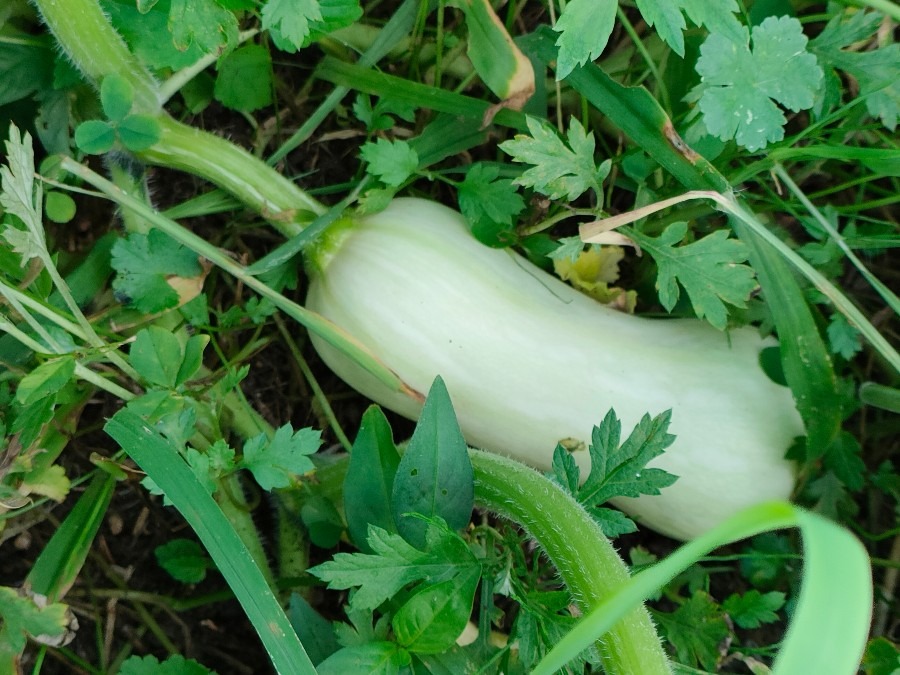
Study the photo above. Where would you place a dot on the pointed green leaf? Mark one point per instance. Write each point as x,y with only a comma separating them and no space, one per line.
370,478
45,380
435,476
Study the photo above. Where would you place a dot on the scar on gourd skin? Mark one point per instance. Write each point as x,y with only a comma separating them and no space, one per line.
678,143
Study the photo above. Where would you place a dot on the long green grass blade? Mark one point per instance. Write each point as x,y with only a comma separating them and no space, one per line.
805,359
829,628
59,563
412,93
161,461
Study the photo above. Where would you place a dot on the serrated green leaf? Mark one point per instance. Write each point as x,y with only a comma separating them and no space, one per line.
565,470
695,630
116,97
435,477
336,14
874,70
752,609
486,198
95,137
739,85
184,559
391,161
372,658
143,262
139,132
291,18
174,665
23,617
620,470
560,169
844,339
709,269
149,35
584,27
395,564
276,463
435,616
666,16
204,24
369,483
46,380
245,79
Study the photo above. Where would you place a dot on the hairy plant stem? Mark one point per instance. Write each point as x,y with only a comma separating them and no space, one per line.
96,49
256,184
586,560
584,557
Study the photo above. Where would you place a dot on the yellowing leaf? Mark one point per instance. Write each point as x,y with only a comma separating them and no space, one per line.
593,272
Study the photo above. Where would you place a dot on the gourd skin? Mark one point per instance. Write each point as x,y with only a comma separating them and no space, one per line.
530,361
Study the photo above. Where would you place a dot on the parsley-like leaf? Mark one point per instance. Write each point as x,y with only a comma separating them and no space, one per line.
667,17
174,665
484,198
22,616
21,197
695,630
291,18
875,70
395,563
843,337
617,470
203,23
709,269
561,169
275,463
392,161
739,85
584,27
143,262
753,608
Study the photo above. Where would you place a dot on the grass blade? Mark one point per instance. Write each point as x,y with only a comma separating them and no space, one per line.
161,461
829,628
59,563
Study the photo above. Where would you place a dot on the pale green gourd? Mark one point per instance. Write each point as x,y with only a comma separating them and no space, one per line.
529,361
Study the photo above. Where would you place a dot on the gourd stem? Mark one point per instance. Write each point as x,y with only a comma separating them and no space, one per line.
97,50
586,560
257,185
577,547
